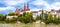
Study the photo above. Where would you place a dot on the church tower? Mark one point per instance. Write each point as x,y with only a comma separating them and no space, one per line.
26,7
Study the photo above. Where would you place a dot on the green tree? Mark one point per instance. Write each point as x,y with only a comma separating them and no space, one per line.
2,17
11,13
42,15
56,21
46,18
50,18
11,20
24,14
37,17
26,18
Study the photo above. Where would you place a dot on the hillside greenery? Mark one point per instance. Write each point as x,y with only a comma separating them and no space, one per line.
27,17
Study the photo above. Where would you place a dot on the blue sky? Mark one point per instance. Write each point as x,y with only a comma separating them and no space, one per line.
10,5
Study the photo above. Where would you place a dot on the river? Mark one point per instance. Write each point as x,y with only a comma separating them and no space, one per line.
29,25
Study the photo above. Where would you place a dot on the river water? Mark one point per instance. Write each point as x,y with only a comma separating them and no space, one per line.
29,25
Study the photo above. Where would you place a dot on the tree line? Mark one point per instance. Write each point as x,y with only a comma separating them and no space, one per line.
27,17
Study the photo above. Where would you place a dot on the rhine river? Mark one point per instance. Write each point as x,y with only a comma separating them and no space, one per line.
29,25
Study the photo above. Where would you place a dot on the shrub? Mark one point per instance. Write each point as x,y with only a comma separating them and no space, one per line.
10,20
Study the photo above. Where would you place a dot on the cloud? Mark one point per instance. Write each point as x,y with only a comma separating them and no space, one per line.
56,5
11,4
38,3
15,2
47,6
6,8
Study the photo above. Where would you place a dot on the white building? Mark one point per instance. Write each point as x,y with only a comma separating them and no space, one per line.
56,12
11,16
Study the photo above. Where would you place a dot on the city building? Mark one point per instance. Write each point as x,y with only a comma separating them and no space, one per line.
26,8
55,12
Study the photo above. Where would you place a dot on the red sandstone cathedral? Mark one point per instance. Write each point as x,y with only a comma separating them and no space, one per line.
26,8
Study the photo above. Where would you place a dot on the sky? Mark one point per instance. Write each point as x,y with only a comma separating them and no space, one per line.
10,5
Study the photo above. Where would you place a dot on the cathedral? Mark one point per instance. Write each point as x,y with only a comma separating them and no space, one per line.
25,8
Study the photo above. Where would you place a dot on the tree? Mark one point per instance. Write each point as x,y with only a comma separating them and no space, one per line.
11,13
56,21
46,18
12,20
49,18
24,14
2,17
26,18
37,17
42,15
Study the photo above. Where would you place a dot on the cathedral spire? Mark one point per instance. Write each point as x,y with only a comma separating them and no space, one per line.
24,6
27,6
